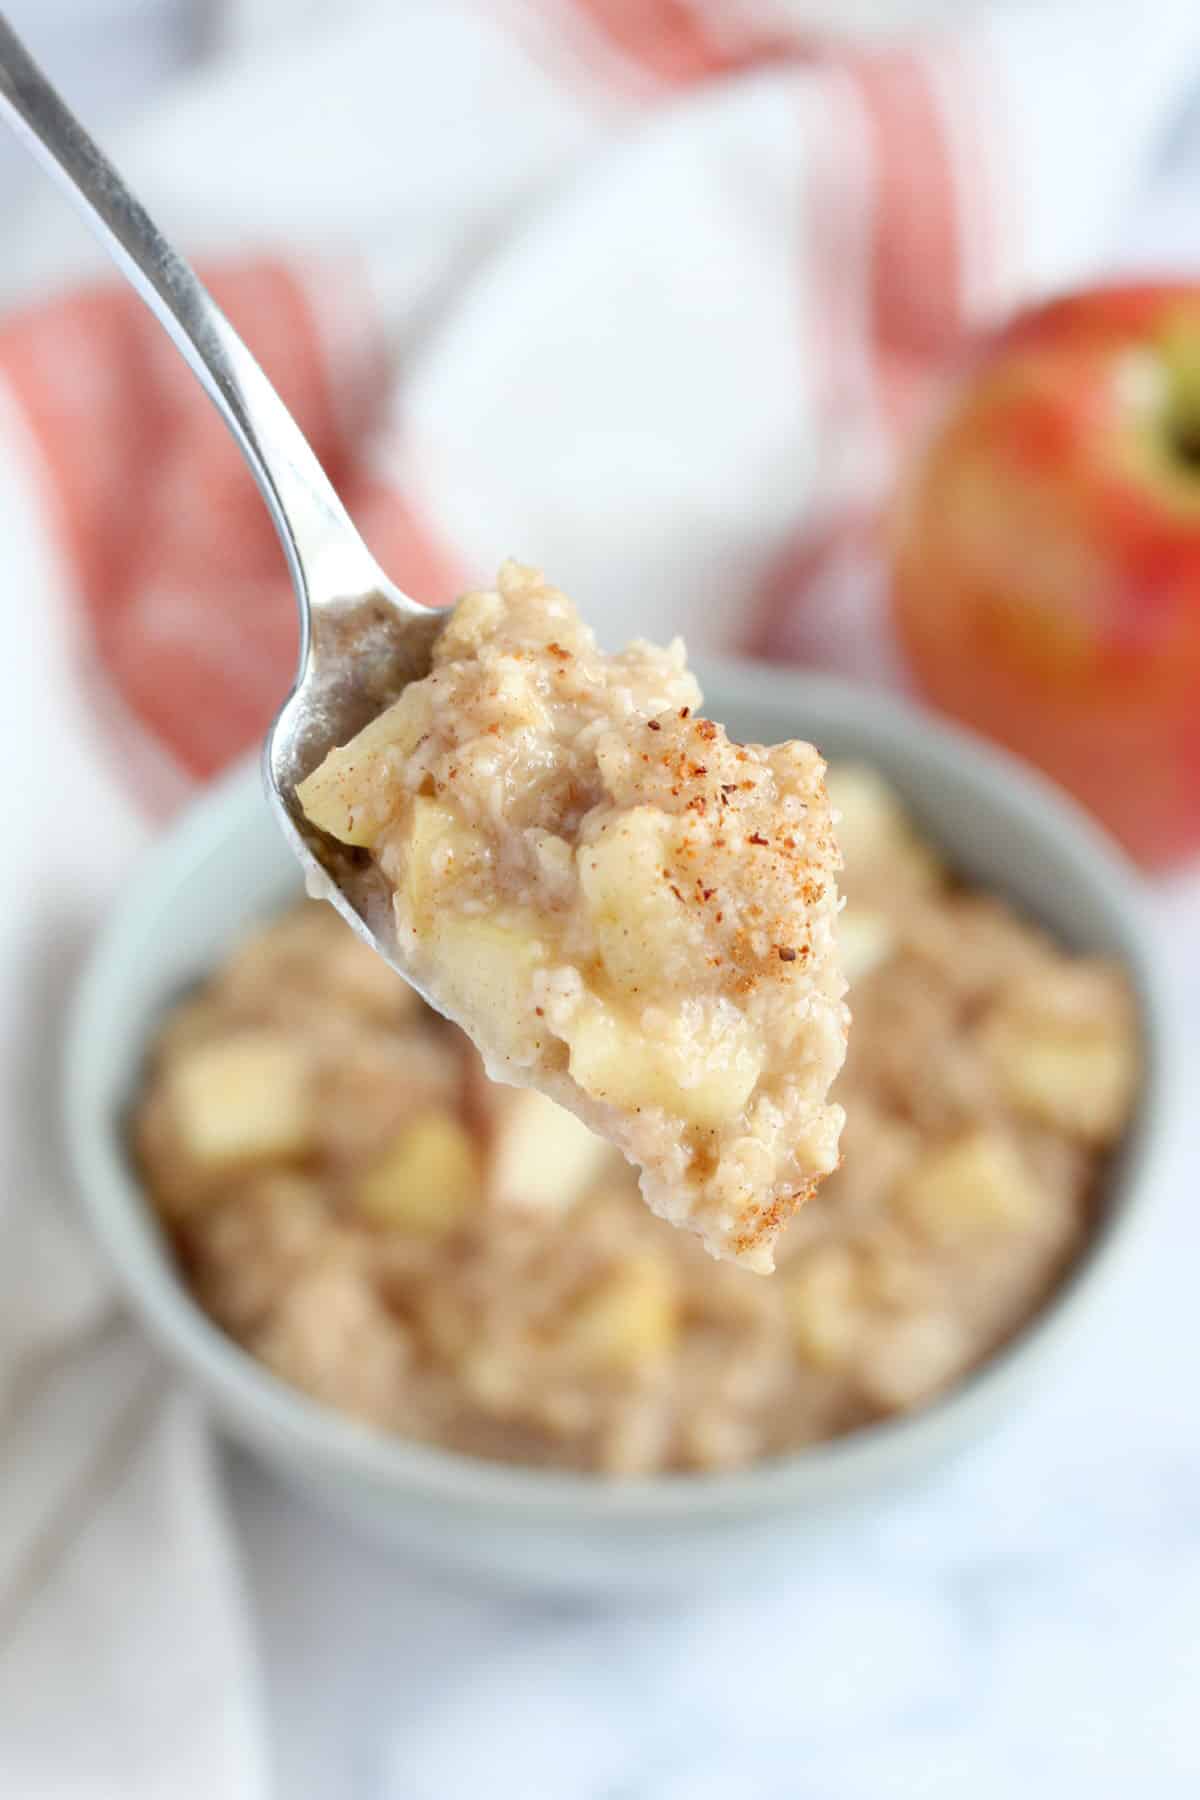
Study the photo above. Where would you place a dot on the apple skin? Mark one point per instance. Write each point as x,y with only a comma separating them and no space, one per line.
1045,555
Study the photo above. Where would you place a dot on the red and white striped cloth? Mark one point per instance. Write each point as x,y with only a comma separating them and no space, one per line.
647,291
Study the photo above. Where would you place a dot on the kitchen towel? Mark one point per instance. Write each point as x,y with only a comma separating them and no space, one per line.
650,294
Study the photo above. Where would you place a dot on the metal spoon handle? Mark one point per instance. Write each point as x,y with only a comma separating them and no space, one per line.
324,551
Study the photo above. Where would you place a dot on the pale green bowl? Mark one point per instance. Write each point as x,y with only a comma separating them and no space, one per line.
224,864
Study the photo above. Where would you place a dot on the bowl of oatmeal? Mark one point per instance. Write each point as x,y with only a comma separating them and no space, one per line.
438,1303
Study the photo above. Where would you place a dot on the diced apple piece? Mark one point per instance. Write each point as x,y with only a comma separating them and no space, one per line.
485,972
913,1357
895,1270
824,1310
542,1158
472,620
512,700
865,941
976,1184
242,1099
629,1320
493,1377
426,1182
706,1076
434,838
874,831
870,808
344,794
1078,1082
637,920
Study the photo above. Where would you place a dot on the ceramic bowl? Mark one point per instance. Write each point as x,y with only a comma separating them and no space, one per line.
224,865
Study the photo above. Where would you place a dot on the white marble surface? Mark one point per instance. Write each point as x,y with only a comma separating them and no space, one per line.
1028,1624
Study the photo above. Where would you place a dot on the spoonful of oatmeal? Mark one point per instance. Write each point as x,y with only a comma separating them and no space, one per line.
618,904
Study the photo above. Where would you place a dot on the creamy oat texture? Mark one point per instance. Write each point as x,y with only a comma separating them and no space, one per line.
619,905
451,1260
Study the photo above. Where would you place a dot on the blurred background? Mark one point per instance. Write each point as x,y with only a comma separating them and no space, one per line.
864,338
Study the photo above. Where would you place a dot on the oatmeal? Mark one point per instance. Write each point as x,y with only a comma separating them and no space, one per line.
355,1203
621,907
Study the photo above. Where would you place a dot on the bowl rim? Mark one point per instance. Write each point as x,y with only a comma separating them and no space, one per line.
265,1411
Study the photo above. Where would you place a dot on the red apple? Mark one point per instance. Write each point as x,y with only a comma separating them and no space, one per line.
1046,555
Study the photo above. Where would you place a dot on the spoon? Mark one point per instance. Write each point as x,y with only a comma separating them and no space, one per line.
361,639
